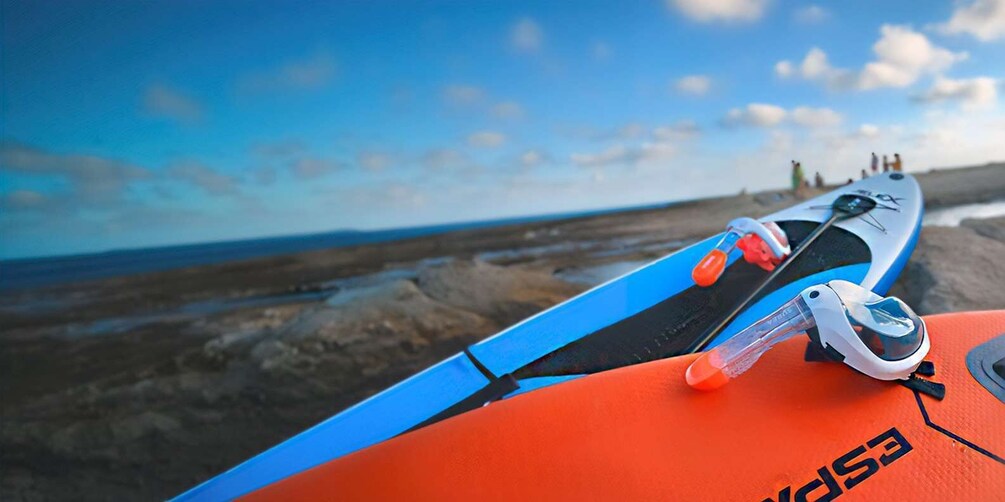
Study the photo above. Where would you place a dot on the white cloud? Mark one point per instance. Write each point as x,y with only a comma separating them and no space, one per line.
442,159
767,116
972,93
463,95
279,149
405,195
629,131
902,57
816,67
373,160
811,14
203,177
636,131
685,129
25,200
694,85
533,157
163,101
720,10
526,35
508,110
868,131
657,148
92,180
614,154
314,72
310,167
602,51
784,69
983,19
755,115
486,139
816,117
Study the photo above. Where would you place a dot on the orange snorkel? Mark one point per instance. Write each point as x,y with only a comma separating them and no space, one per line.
763,244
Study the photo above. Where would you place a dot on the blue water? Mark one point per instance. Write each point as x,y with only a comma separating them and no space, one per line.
35,272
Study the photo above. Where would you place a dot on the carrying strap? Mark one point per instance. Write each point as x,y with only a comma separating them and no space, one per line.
497,388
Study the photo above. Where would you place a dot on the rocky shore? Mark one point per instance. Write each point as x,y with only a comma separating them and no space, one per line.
139,387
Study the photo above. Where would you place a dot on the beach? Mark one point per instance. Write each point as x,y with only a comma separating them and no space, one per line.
140,386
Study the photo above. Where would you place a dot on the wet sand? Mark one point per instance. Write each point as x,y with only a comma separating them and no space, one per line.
139,387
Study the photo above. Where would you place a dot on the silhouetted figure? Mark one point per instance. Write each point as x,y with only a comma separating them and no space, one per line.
797,175
864,174
875,163
897,164
818,180
886,165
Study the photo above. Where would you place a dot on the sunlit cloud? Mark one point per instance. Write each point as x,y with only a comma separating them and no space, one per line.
693,85
441,159
868,131
279,149
816,117
720,10
311,73
622,155
682,130
902,56
761,115
508,110
534,157
629,131
92,179
164,101
486,139
373,160
811,14
526,35
463,94
25,200
971,93
755,115
203,177
982,19
601,51
308,168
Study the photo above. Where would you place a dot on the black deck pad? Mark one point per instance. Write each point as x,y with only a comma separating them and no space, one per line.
667,328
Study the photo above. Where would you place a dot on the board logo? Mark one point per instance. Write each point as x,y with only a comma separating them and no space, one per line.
852,468
882,197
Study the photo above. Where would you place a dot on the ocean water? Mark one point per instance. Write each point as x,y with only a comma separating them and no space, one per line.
34,272
953,215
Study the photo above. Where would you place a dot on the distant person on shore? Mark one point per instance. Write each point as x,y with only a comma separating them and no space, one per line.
886,164
818,180
864,174
875,163
898,166
797,175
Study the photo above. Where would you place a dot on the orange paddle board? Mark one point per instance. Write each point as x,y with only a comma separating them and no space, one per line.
787,429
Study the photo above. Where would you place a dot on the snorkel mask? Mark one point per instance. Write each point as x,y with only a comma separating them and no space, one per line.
880,337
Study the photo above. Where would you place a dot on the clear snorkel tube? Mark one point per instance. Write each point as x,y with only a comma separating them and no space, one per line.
880,337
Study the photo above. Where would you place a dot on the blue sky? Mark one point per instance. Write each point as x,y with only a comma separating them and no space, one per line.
129,124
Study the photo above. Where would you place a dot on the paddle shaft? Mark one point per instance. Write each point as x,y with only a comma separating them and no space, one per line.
700,343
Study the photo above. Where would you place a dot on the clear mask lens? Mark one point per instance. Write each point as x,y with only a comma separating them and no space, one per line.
888,327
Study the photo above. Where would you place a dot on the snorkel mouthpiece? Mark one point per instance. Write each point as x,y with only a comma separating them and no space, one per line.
763,244
880,337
